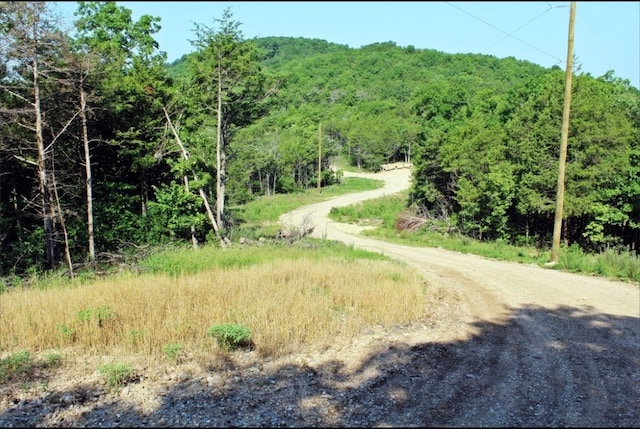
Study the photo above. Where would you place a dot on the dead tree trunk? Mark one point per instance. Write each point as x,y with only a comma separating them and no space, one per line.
220,154
45,190
87,168
223,240
57,212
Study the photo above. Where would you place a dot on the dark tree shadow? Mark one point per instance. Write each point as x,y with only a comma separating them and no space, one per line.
567,367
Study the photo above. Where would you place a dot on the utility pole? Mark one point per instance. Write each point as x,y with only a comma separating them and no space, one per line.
557,226
319,156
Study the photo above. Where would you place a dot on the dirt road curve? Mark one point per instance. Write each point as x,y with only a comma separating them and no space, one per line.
508,345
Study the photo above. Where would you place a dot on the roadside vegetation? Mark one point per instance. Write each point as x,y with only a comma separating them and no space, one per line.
395,223
181,303
290,298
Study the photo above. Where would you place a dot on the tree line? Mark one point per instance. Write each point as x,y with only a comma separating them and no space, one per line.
482,133
106,146
96,135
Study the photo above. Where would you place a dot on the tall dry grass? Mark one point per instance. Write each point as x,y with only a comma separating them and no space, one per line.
287,305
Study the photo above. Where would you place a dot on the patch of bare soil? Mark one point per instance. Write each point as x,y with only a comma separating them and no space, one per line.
504,345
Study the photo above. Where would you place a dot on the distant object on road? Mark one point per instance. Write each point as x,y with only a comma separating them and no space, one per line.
395,165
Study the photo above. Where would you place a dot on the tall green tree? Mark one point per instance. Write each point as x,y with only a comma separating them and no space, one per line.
600,171
225,91
476,154
132,83
440,107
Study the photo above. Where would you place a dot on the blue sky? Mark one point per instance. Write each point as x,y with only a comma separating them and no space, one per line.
606,37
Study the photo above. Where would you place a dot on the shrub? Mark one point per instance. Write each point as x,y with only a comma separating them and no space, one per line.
17,363
99,314
66,331
231,336
135,336
54,359
117,374
172,350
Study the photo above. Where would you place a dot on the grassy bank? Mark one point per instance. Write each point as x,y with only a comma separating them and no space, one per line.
289,298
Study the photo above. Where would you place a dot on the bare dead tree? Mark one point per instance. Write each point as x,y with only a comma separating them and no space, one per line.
30,46
185,154
81,67
87,166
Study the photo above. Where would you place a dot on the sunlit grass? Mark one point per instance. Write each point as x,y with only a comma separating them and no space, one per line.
612,264
289,304
186,260
342,163
382,212
270,208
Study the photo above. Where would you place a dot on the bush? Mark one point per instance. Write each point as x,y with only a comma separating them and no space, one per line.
16,364
117,374
54,359
172,350
99,314
231,336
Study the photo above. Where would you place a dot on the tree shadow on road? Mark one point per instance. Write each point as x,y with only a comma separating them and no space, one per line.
569,367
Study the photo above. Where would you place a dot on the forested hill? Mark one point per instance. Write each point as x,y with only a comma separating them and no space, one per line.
366,97
382,69
482,132
381,64
281,50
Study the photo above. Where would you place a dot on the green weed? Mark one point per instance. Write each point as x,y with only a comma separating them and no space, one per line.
172,350
99,314
16,364
231,336
53,359
117,374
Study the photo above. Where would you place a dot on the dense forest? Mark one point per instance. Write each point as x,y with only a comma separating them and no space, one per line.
106,146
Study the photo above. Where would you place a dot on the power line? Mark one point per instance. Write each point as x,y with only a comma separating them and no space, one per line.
596,42
511,34
518,29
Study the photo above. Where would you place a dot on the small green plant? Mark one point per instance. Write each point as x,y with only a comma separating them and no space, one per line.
396,277
16,364
117,374
231,336
54,359
99,314
66,331
135,336
172,350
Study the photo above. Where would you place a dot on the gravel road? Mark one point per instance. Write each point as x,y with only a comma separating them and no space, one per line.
509,344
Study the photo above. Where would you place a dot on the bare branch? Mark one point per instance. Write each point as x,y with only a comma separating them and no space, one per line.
28,161
15,94
62,131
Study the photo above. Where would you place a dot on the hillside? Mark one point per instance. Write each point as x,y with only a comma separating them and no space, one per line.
482,131
317,71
